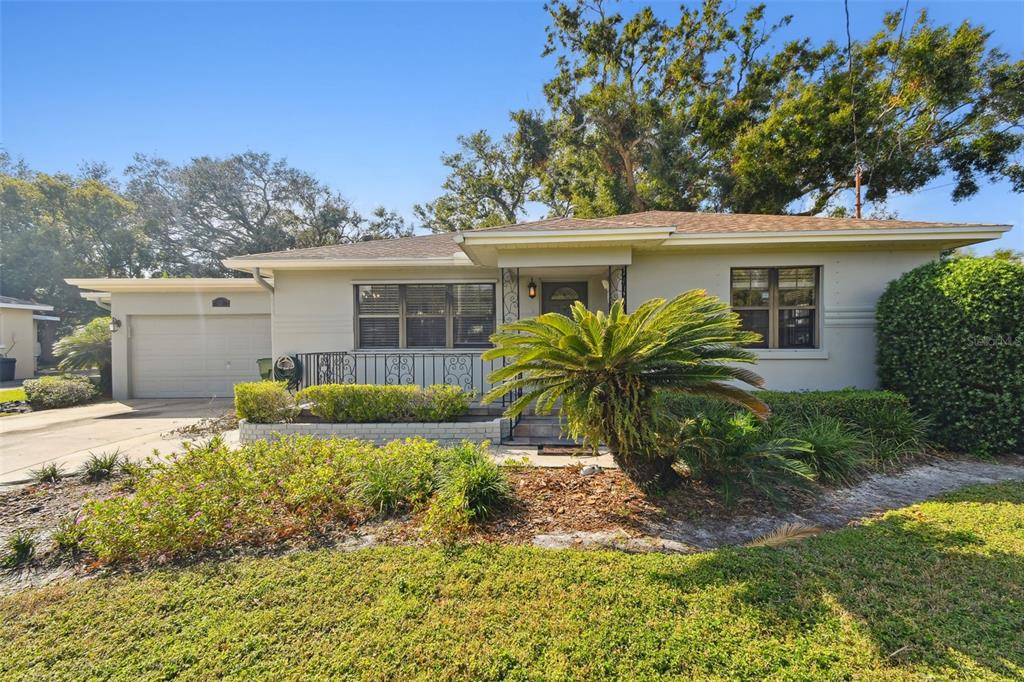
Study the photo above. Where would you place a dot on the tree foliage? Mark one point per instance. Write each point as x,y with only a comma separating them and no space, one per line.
604,370
173,220
709,110
490,181
210,209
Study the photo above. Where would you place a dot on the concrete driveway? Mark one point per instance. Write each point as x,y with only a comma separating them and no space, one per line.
67,436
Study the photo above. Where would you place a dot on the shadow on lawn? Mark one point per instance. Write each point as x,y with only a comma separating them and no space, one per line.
924,596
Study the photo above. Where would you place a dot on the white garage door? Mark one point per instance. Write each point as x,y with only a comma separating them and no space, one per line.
195,356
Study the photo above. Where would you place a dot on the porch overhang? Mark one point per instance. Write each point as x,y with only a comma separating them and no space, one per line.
536,258
566,247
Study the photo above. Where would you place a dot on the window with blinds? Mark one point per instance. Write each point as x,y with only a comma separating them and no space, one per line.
425,315
780,304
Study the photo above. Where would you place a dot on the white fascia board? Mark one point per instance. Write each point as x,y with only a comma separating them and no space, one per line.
108,285
26,306
46,318
895,234
345,264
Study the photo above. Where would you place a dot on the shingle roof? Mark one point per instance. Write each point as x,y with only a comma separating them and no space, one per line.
424,246
444,246
684,222
20,302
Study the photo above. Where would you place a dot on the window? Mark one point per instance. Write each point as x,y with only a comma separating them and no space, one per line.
221,302
780,304
425,315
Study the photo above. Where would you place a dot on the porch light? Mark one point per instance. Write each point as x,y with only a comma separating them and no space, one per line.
531,289
115,324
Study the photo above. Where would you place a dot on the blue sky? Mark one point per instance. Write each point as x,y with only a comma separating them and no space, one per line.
364,96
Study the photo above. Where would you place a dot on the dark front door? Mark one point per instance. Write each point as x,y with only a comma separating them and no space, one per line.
558,297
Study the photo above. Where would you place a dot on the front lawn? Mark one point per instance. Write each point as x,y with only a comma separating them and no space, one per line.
934,590
8,395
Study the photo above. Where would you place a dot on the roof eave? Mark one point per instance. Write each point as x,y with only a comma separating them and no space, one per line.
270,264
26,306
969,233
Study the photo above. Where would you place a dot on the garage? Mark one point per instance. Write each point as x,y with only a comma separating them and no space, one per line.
194,356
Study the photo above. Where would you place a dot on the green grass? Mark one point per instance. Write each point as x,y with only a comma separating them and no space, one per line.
935,590
9,394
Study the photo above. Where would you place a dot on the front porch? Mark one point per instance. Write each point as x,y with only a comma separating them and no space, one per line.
522,292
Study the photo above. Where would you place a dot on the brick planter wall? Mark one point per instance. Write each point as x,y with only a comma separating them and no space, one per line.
443,432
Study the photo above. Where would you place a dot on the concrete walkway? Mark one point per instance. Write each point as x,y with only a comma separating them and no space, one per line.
67,436
834,509
528,455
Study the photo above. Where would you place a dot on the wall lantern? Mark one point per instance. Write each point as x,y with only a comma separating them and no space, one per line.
115,324
531,289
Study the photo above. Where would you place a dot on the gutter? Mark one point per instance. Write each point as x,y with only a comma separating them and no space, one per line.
262,282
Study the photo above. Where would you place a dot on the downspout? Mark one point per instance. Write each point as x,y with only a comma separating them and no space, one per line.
262,282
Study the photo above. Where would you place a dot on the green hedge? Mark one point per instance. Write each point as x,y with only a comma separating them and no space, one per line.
59,391
358,403
890,431
264,402
851,405
951,337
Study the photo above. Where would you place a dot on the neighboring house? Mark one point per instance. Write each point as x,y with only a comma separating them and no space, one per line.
420,309
20,322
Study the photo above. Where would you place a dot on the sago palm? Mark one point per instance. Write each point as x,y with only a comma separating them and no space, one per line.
87,347
606,369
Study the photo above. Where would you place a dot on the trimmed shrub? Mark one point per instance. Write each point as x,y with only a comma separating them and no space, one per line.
855,406
951,337
264,402
359,403
67,390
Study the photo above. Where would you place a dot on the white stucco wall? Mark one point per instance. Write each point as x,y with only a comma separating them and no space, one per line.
18,337
125,305
851,281
314,310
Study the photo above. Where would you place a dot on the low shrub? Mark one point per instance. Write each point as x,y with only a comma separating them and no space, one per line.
264,402
68,536
47,393
48,473
100,467
360,403
211,497
837,451
396,473
467,471
18,549
862,408
729,448
470,487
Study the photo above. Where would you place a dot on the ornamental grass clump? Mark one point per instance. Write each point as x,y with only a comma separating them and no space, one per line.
604,371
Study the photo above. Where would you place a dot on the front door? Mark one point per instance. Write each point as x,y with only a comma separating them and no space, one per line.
558,297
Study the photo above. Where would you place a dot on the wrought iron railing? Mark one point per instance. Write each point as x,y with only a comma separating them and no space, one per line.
464,369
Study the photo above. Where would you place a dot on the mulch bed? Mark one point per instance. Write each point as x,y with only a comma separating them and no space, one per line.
43,505
562,500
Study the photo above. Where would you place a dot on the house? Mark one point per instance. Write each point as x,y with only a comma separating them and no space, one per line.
21,325
420,309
